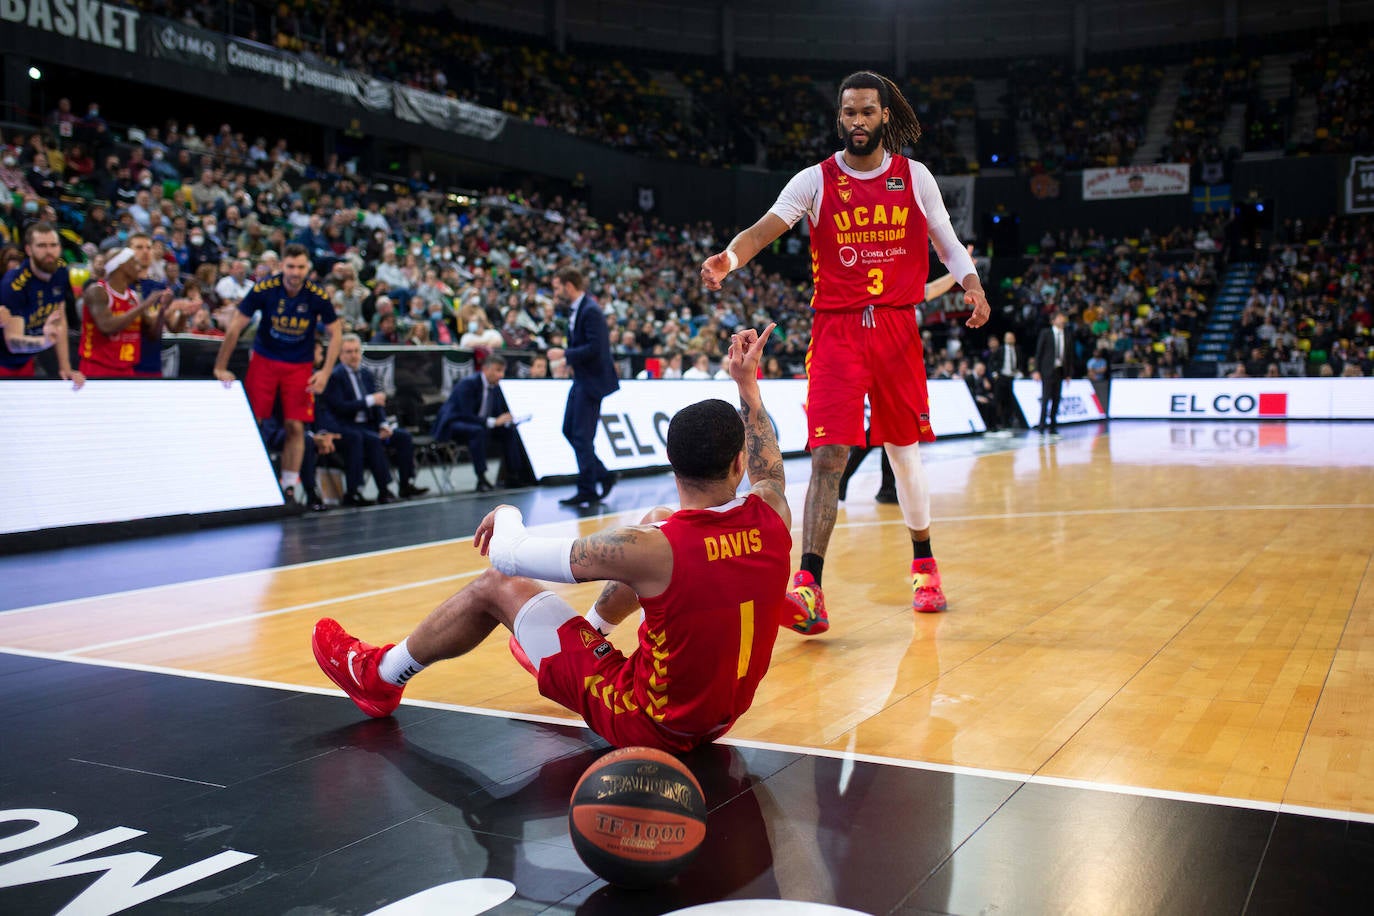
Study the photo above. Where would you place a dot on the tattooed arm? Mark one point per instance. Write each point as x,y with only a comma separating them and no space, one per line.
763,457
639,556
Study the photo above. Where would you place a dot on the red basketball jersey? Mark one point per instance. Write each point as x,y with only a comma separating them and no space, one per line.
870,244
706,642
103,355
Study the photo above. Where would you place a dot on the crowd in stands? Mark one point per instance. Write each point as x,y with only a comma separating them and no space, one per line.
1312,305
404,263
789,121
1091,119
1210,86
1340,75
1134,306
1094,117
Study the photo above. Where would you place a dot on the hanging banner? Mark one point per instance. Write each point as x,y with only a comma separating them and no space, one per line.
957,190
295,73
185,44
453,115
1126,182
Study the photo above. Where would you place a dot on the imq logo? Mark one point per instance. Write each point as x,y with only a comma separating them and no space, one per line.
1274,404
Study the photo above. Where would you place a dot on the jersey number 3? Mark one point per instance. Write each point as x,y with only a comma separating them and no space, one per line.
876,287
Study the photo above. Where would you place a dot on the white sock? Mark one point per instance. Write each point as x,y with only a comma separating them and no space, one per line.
290,479
397,667
603,626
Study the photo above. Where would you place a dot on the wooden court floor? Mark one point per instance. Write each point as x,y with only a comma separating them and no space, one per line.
1174,608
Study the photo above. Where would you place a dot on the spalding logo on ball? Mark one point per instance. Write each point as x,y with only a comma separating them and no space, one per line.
638,817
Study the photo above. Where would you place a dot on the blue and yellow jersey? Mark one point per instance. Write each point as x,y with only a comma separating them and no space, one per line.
33,299
150,356
286,331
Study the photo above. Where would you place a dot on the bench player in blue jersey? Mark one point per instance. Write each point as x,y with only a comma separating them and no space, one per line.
284,352
38,294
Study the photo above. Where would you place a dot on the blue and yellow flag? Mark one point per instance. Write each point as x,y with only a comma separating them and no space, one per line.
1211,198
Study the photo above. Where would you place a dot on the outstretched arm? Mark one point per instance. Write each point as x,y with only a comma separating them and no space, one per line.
742,249
639,556
763,456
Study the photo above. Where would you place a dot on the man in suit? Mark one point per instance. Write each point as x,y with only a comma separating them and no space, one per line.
476,413
356,403
1004,364
1054,364
588,355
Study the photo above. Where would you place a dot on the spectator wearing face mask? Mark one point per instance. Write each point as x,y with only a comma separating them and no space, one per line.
440,328
162,169
201,249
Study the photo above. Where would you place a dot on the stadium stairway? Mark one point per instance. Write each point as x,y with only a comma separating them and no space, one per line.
1226,308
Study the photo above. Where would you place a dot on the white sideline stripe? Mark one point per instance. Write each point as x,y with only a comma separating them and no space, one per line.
1004,775
230,621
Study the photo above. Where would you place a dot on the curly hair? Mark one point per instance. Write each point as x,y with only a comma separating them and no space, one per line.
903,127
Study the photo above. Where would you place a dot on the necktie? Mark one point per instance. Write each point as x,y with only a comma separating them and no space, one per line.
1058,347
358,390
486,401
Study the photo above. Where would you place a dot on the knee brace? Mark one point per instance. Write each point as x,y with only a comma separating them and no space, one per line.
913,492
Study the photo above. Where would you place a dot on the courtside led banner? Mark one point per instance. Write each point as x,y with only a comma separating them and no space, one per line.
1078,402
120,450
1244,399
634,421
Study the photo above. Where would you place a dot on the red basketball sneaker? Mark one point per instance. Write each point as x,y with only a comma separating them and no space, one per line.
518,651
805,607
926,596
352,664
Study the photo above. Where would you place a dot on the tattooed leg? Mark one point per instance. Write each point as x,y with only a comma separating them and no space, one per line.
822,497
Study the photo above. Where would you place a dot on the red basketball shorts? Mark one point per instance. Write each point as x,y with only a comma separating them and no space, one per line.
848,360
266,377
28,370
590,676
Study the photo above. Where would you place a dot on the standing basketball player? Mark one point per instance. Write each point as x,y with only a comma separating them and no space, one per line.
114,320
871,211
149,363
37,292
283,360
711,577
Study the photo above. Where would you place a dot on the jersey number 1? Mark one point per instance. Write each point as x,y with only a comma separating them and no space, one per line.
746,637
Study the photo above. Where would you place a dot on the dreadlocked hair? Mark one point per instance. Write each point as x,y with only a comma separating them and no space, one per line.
903,127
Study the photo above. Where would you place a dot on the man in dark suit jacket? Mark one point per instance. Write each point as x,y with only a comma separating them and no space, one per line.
1053,364
356,404
1005,366
589,357
476,413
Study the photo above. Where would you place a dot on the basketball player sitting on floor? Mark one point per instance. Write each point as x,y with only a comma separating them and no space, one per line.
711,578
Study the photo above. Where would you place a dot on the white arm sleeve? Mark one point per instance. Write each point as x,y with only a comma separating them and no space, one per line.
515,552
801,197
952,252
